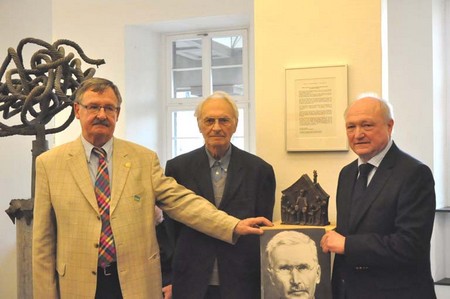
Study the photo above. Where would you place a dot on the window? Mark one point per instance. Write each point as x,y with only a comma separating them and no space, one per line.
198,65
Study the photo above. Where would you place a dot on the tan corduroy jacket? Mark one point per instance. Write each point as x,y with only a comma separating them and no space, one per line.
67,225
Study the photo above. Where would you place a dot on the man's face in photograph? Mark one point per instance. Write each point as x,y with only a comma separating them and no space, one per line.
294,270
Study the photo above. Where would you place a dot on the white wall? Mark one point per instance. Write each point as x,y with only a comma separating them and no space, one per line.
17,21
415,76
318,33
127,35
288,33
143,84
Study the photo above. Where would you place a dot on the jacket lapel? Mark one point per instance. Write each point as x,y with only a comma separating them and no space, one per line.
374,188
121,166
346,189
76,161
234,177
203,178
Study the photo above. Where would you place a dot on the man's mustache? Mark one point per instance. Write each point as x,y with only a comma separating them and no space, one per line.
102,122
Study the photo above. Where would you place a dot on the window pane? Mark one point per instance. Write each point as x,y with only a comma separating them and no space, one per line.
240,128
226,50
187,68
184,124
185,134
239,142
226,57
187,84
187,53
238,136
200,64
228,79
182,146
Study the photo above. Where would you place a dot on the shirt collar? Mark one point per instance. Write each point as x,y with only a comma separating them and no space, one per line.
108,147
376,160
224,161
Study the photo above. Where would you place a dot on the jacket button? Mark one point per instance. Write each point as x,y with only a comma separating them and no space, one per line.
96,245
94,273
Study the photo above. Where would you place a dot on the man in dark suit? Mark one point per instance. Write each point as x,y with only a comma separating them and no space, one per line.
382,238
235,181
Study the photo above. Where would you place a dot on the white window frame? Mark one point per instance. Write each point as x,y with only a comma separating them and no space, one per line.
174,104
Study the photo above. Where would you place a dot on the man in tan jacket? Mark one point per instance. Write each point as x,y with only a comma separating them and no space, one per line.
68,221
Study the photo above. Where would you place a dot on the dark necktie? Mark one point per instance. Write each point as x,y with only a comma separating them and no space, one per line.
106,250
361,182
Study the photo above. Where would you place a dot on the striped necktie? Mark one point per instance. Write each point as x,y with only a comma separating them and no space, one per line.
107,250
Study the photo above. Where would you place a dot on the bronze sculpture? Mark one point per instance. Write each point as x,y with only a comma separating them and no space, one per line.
305,203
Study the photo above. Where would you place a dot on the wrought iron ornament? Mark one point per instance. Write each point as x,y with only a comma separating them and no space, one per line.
47,87
31,97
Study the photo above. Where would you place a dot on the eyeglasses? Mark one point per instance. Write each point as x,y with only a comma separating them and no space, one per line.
110,110
211,121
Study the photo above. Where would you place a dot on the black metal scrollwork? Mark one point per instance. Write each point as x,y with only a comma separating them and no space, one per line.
47,87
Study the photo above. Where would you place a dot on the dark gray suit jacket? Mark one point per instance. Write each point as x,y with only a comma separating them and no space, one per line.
387,248
249,192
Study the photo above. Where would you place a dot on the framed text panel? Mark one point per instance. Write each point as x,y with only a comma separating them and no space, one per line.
316,99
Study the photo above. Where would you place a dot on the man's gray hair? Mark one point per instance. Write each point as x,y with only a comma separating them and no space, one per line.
217,95
386,107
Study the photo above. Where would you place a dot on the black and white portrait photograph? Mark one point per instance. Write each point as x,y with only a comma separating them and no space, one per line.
293,266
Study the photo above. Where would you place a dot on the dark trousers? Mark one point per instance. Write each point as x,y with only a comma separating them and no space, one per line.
108,285
213,292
